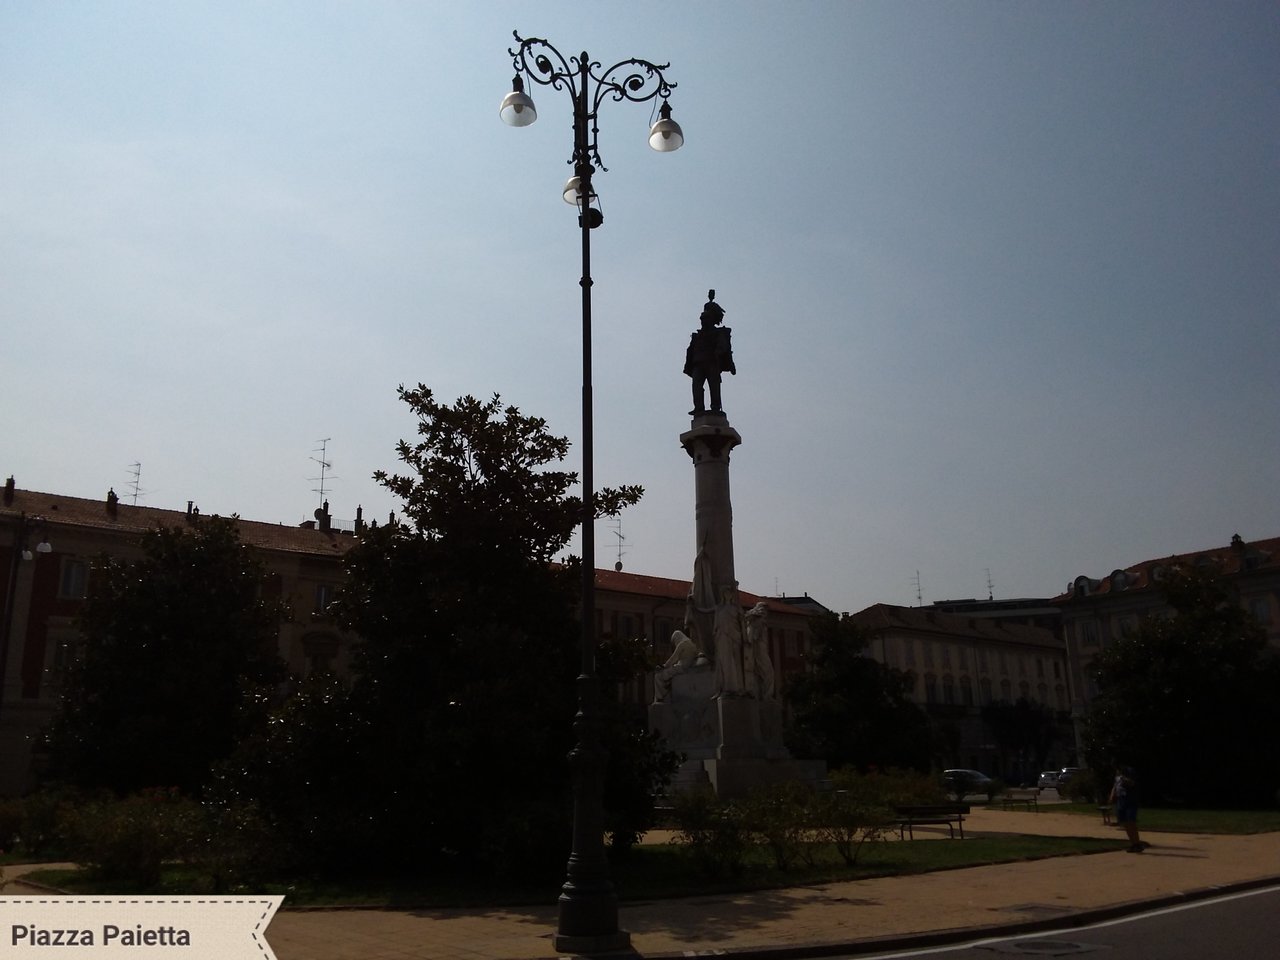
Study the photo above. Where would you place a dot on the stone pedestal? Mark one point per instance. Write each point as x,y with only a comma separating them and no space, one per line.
722,720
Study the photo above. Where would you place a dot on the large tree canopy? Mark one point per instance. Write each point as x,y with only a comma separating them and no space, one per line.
852,710
178,652
457,723
1189,701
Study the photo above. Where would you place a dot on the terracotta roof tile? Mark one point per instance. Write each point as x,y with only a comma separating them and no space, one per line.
127,519
1230,559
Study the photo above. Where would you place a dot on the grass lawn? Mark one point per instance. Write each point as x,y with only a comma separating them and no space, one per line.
1192,821
648,872
657,871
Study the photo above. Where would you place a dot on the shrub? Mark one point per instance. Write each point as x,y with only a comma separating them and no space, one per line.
780,815
1082,788
46,821
11,823
128,841
858,809
711,831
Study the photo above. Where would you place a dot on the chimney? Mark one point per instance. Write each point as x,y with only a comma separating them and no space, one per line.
359,520
190,506
8,491
322,515
113,502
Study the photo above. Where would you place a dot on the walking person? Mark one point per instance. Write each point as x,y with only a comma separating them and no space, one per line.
1124,794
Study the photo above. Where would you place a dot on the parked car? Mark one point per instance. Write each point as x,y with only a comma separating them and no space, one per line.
1065,775
961,783
1048,779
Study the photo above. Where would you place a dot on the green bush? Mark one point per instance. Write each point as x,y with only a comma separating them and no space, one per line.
128,841
711,831
780,816
11,823
1083,788
231,845
858,809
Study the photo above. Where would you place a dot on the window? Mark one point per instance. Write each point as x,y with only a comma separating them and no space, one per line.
948,690
984,690
1089,633
73,583
1040,667
910,648
323,597
1006,690
1260,607
1004,663
983,666
966,691
930,689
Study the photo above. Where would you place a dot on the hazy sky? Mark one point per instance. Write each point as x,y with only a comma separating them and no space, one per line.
1004,278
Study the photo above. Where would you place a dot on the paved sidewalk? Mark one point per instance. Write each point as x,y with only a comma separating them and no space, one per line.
863,915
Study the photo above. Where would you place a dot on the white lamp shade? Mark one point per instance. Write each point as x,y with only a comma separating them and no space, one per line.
665,136
517,109
573,191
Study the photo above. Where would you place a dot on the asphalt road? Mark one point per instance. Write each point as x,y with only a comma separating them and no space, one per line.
1238,926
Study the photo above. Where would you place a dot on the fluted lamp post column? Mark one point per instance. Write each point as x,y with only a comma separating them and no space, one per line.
588,918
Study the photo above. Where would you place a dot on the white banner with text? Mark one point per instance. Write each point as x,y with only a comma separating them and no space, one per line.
193,928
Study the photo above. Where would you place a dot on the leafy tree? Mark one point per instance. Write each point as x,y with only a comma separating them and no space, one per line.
1180,698
853,710
457,722
640,766
176,664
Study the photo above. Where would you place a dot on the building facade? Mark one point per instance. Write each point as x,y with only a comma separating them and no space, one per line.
962,664
48,543
1097,612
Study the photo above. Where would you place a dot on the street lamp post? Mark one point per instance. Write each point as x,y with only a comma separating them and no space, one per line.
588,917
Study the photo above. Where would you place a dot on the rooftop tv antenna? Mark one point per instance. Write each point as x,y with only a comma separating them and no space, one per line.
325,467
617,522
990,586
919,594
135,485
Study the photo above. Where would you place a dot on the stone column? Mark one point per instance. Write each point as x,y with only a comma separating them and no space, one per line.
708,442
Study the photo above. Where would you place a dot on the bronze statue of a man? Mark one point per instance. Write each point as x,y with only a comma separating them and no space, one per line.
710,354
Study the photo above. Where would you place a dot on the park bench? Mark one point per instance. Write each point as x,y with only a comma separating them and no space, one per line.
1028,798
949,815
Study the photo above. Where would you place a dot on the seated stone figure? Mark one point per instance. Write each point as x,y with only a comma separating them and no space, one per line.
682,658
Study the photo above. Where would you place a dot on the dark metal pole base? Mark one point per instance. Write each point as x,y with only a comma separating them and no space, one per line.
590,946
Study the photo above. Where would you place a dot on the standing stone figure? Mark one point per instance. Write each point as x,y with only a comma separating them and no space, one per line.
728,636
710,354
762,682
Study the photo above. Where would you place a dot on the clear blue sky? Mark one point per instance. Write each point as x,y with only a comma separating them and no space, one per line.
1004,278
